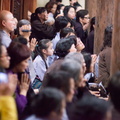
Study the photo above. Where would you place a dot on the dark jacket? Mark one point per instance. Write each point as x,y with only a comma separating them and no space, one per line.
104,66
89,47
42,31
80,32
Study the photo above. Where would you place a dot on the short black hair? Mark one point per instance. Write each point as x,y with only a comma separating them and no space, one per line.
81,14
114,90
21,39
65,31
63,46
38,10
47,101
58,79
60,23
90,108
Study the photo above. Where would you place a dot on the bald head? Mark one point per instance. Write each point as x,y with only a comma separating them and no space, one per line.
6,21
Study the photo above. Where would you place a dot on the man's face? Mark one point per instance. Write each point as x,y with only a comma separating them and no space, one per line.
9,22
44,16
86,19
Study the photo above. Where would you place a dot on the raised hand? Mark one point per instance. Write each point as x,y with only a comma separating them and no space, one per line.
25,31
24,84
8,89
33,44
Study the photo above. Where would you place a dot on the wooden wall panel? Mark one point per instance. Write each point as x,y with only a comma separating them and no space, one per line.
104,17
5,4
115,64
103,9
29,5
91,7
17,8
0,4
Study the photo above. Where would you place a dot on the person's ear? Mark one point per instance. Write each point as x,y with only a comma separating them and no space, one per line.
3,23
44,51
39,15
81,19
94,26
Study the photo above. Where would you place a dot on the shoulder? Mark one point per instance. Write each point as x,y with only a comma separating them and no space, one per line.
36,22
33,117
38,60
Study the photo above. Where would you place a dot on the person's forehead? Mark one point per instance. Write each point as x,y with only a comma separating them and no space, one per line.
9,16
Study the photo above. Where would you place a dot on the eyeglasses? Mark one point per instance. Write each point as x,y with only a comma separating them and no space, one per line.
87,17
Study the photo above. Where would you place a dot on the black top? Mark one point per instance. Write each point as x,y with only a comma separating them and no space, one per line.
80,32
42,31
90,43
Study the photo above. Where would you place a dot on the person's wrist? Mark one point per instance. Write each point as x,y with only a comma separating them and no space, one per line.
23,92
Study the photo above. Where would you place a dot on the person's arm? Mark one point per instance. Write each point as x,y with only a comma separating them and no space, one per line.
104,74
47,31
21,92
39,67
7,103
8,108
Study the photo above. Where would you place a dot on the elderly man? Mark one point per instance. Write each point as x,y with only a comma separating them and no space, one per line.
7,25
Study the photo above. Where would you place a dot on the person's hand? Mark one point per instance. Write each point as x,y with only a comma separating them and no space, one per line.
59,15
8,89
24,84
95,93
25,31
13,79
86,26
33,44
104,98
94,57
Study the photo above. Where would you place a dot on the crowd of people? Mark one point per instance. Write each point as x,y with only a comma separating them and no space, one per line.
48,69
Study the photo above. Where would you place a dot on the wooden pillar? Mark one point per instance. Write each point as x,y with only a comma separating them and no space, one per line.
115,62
29,5
104,18
103,9
91,6
5,4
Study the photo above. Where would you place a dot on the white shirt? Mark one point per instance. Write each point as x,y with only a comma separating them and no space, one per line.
5,38
31,70
33,117
39,66
56,39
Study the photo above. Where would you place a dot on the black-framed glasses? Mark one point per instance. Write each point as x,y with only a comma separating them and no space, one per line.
87,17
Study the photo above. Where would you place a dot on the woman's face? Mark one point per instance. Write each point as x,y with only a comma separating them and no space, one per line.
53,9
72,88
86,19
49,50
80,46
4,58
22,66
71,13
